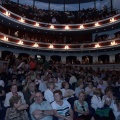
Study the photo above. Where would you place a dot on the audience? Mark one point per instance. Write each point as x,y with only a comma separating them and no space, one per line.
101,101
17,110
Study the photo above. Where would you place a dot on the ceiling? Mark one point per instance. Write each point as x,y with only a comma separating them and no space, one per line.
67,1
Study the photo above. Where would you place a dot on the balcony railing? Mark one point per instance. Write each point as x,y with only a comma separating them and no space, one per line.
58,47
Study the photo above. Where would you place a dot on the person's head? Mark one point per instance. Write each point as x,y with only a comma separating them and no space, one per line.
14,88
82,96
65,85
38,97
55,80
108,90
14,81
90,84
57,95
38,76
51,85
80,84
31,86
101,82
15,101
97,91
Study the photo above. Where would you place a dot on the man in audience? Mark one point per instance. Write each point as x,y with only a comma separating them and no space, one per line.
14,92
62,109
41,110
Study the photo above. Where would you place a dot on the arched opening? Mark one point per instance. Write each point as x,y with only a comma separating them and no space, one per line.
117,58
71,59
55,58
103,59
6,55
87,59
23,55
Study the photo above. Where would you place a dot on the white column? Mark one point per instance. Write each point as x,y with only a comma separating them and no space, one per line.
63,59
112,58
47,58
79,58
95,59
16,55
32,56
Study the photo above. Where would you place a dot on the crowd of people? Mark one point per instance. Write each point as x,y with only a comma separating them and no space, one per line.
45,91
61,17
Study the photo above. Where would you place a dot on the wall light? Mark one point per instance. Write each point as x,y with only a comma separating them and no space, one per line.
113,43
7,13
52,27
51,46
22,20
66,47
5,38
36,24
81,27
20,42
67,27
97,45
35,45
112,20
97,24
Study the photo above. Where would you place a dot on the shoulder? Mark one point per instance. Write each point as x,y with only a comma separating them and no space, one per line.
20,93
33,105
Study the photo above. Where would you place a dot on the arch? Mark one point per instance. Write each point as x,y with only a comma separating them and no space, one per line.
87,59
6,54
103,58
55,58
71,59
117,58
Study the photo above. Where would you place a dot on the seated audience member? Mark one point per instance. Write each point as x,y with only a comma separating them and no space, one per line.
81,107
108,98
41,110
101,86
66,92
62,109
48,94
96,101
14,92
57,83
79,88
117,84
116,109
72,79
90,89
16,110
101,112
29,94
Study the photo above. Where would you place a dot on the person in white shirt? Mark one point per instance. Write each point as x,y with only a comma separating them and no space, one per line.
62,108
72,79
48,94
116,109
13,92
96,101
108,98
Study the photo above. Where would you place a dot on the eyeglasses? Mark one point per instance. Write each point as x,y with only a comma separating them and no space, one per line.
83,108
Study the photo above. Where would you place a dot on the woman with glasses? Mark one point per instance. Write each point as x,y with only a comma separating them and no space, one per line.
81,107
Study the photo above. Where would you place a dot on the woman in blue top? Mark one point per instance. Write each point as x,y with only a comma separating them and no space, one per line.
81,107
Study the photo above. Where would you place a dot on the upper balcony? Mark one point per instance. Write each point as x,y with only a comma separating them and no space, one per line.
111,20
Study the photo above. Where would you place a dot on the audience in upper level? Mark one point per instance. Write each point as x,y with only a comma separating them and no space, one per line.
61,17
